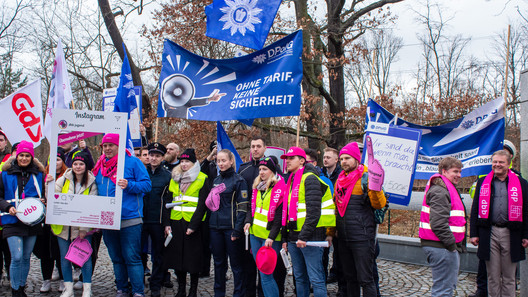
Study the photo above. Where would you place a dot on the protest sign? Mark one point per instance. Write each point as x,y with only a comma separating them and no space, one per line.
22,114
77,209
396,148
471,139
136,117
266,83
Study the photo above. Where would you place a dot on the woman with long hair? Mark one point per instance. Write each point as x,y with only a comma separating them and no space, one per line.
22,177
184,253
229,205
76,180
265,219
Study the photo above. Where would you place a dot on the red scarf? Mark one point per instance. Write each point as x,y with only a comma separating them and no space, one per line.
108,167
289,211
344,186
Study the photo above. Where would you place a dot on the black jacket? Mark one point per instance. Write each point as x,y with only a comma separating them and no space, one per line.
313,191
210,169
335,174
234,203
249,171
153,200
481,228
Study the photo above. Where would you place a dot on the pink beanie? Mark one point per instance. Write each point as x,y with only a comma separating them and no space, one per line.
351,149
111,138
25,147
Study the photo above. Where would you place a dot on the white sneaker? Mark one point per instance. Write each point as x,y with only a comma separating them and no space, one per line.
78,285
76,274
55,276
46,286
61,286
87,290
68,290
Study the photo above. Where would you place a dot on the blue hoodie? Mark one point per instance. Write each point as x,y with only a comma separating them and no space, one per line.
138,184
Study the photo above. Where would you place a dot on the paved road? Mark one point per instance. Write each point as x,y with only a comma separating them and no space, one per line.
396,279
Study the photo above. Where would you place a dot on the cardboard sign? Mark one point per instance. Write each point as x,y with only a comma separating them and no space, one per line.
86,210
396,148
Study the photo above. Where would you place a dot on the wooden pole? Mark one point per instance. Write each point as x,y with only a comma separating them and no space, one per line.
156,131
298,130
506,70
374,60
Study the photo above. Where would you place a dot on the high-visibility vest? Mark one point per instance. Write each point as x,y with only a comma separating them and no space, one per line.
327,218
6,157
457,215
259,228
57,229
190,196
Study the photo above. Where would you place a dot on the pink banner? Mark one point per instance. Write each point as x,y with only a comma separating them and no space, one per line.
74,136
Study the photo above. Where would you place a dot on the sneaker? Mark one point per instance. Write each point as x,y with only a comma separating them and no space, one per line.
55,276
76,274
61,286
78,285
46,286
122,294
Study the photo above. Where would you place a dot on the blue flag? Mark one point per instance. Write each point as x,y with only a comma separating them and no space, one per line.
471,139
266,83
243,22
125,100
225,143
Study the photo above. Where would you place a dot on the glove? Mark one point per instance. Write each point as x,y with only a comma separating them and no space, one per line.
376,172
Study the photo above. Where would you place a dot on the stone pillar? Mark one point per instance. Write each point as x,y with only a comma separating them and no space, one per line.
524,163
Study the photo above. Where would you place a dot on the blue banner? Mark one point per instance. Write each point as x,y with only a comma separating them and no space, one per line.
125,100
266,83
471,139
243,22
225,143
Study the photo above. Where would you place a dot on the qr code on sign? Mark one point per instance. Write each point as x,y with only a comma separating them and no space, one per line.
107,218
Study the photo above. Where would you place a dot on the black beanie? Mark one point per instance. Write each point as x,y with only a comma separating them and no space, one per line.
61,153
188,154
270,162
84,157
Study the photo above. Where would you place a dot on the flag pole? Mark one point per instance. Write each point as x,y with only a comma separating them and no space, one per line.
506,70
156,133
298,130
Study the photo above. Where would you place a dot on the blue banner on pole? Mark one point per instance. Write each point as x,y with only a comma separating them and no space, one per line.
125,100
225,143
266,83
243,22
471,139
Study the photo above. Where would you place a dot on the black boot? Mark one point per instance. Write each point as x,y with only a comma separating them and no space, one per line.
21,292
14,293
193,291
182,280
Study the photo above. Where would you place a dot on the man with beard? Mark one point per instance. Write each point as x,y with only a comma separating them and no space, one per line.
171,157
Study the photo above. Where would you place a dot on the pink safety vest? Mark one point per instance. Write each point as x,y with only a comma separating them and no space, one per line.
457,215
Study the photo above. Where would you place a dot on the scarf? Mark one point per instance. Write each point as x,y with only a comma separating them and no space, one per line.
276,195
108,167
344,186
289,211
515,201
185,179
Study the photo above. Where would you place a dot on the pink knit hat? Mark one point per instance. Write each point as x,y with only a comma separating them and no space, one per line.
111,138
25,147
351,149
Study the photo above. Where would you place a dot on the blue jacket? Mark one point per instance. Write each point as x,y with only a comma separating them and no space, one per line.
138,184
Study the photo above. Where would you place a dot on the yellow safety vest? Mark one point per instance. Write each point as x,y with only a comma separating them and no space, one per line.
259,228
327,218
57,229
190,196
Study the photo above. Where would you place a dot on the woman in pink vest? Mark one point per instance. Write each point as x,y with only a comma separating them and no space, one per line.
443,226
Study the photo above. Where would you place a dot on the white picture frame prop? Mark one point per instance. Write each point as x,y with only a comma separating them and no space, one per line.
86,210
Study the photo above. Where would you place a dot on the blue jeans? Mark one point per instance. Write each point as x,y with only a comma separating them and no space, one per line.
66,265
124,248
308,268
223,247
20,248
269,286
444,265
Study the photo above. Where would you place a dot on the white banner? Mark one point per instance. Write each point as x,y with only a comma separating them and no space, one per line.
21,114
60,94
86,210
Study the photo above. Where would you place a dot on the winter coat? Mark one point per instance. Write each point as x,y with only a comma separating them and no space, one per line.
70,233
19,176
481,228
210,169
153,201
138,184
234,203
335,174
439,201
249,171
